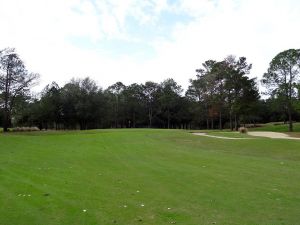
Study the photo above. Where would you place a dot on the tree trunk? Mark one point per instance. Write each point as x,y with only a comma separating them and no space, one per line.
235,122
290,102
6,118
220,120
207,123
230,120
6,121
6,99
133,122
290,119
117,112
168,119
150,118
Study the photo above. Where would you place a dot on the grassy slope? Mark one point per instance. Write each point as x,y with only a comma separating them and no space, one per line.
203,180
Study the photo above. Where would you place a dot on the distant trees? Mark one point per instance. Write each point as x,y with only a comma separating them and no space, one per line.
282,77
76,104
50,107
150,94
15,82
169,97
241,90
135,107
115,92
81,104
221,96
224,87
203,90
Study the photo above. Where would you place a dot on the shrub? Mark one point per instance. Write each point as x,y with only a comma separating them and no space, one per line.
35,129
278,123
25,129
243,130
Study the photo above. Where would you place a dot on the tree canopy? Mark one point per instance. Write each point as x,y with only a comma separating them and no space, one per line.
282,79
15,82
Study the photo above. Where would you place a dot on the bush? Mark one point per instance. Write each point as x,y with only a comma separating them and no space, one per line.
243,130
25,129
251,125
278,123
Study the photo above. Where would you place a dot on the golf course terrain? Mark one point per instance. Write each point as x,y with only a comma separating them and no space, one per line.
148,176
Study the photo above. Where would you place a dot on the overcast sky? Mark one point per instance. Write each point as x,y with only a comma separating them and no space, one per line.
139,40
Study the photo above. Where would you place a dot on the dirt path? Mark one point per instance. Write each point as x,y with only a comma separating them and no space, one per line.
270,134
228,138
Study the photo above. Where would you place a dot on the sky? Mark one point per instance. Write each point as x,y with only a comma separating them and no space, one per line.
134,41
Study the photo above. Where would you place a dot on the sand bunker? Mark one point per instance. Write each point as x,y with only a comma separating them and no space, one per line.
270,134
220,137
267,134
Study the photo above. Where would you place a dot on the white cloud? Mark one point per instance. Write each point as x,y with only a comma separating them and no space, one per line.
40,30
255,29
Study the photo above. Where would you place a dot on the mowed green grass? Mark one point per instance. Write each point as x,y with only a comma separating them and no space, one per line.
147,177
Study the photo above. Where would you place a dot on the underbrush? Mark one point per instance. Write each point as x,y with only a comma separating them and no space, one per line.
25,129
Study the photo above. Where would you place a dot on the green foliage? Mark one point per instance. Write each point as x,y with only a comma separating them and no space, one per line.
282,77
169,97
15,82
223,89
150,93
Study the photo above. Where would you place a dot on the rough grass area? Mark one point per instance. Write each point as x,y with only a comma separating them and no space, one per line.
147,177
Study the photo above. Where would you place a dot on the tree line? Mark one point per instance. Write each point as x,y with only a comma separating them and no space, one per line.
221,95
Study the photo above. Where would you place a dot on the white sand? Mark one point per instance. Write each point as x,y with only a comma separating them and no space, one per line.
270,134
267,134
228,138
